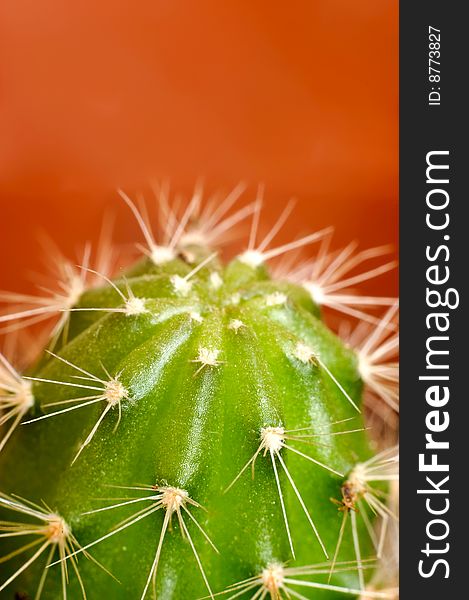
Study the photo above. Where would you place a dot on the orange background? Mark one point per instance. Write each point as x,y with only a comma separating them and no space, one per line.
301,95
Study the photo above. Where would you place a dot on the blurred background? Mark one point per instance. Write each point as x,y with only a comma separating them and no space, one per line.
301,96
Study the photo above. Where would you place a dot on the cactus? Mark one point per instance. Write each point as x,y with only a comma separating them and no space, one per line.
189,421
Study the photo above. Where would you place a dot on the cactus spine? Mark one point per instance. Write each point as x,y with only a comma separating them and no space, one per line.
186,429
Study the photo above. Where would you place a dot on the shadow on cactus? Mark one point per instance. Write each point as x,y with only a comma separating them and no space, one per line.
193,428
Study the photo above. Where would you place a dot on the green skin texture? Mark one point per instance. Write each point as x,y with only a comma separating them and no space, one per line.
191,432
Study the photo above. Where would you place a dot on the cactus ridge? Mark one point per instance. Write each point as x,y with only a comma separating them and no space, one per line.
187,374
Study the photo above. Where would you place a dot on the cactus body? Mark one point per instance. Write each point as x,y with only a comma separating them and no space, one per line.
224,401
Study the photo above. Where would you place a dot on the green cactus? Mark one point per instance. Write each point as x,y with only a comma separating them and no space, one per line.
185,432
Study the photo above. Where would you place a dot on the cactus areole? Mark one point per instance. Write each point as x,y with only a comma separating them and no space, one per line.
183,439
